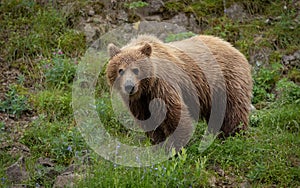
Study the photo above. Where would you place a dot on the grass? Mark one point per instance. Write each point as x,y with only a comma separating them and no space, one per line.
265,155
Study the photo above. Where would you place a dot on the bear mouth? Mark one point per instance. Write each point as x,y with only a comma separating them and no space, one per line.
130,89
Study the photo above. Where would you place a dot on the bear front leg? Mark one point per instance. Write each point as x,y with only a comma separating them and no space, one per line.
182,129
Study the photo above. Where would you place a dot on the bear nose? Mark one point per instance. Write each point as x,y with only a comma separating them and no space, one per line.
129,87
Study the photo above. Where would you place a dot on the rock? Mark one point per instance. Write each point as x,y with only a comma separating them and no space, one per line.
70,176
19,149
46,162
125,32
66,180
122,16
91,32
235,12
91,12
292,60
51,174
245,184
187,21
153,18
17,173
259,57
154,7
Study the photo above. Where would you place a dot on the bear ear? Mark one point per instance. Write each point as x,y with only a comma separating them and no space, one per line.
146,49
113,50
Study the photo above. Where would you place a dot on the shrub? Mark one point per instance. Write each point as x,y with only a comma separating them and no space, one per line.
288,92
264,81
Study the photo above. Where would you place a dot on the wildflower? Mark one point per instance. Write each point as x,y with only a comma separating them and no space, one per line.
117,148
69,148
3,179
60,52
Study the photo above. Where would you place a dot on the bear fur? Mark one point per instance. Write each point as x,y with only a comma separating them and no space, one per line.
200,77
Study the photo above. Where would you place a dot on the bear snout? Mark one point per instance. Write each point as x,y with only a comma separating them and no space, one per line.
129,87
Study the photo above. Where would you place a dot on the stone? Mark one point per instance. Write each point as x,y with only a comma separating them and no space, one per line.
259,57
122,15
46,162
154,7
187,21
235,12
91,32
91,12
292,60
18,149
17,173
153,18
122,34
66,180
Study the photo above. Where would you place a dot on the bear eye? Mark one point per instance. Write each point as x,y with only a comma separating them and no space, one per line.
135,71
121,72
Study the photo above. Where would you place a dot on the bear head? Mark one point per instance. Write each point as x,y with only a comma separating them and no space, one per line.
129,69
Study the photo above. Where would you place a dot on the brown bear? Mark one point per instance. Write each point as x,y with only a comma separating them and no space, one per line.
169,86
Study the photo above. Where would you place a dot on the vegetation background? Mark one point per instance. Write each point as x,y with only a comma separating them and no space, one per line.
42,43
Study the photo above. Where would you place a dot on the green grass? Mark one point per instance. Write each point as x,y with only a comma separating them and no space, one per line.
15,102
265,155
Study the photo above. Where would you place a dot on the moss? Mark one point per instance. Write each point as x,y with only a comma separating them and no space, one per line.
225,28
199,8
294,75
72,43
174,6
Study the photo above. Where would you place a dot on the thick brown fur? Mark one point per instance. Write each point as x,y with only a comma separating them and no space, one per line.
192,74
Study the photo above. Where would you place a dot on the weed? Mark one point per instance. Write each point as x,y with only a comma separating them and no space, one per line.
33,30
294,75
14,103
55,104
225,28
264,81
59,71
288,92
176,172
72,43
283,117
132,7
136,4
57,140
